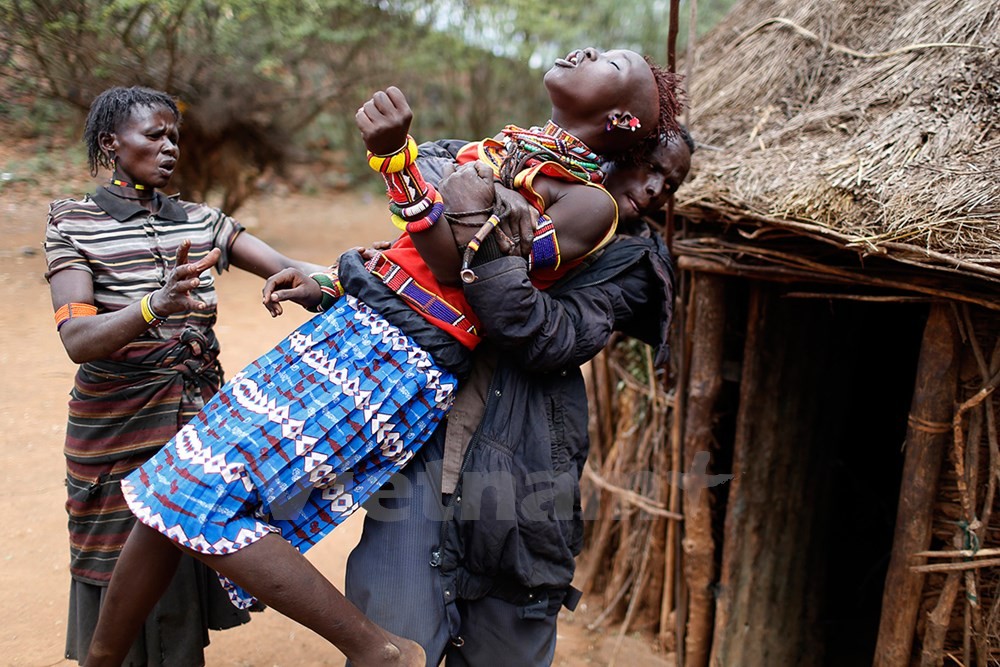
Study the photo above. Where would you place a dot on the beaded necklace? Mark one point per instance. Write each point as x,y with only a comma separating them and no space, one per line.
137,186
141,191
551,143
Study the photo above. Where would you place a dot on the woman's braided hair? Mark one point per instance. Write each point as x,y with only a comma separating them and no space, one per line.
112,108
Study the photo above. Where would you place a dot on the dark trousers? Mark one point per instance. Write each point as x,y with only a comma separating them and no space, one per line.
390,577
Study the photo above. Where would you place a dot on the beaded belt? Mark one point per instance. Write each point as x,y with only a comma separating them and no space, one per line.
416,295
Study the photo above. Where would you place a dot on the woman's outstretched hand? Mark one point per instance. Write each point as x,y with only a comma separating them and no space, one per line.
175,295
291,285
296,286
384,121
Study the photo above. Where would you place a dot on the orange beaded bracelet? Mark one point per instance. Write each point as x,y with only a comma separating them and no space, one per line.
70,310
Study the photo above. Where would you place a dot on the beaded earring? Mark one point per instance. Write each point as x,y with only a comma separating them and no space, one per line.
622,120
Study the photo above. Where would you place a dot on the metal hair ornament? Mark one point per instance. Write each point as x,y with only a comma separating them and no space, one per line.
623,121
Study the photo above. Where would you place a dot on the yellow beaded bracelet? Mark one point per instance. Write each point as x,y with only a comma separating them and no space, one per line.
151,318
397,160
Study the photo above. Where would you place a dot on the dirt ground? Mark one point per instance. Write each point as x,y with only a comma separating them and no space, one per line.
34,554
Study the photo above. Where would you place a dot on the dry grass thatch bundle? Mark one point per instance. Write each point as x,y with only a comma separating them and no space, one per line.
874,124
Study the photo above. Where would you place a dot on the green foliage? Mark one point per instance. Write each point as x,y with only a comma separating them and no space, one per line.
537,32
263,82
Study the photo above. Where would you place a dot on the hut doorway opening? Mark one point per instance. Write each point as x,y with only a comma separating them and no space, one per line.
875,388
825,392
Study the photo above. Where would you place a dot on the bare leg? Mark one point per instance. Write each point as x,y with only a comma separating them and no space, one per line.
147,564
271,569
282,578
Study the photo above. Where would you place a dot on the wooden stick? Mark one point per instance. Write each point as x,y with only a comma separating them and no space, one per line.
968,486
960,553
905,252
958,451
595,379
933,397
661,406
966,639
975,615
709,301
953,657
955,567
647,505
993,441
681,610
620,567
672,29
614,602
605,522
607,409
938,621
819,273
689,56
727,605
993,470
858,297
684,325
632,605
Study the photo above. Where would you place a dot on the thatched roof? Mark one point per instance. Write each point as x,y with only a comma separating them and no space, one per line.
873,124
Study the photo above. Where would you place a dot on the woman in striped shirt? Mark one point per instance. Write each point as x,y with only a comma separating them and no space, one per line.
135,301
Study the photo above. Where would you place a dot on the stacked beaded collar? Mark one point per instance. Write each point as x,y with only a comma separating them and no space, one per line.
551,143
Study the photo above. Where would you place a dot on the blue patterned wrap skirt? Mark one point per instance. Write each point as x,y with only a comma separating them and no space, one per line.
298,440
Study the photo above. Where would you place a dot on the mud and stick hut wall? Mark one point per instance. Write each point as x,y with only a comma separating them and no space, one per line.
836,349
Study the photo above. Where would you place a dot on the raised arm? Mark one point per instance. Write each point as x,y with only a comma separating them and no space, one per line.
384,122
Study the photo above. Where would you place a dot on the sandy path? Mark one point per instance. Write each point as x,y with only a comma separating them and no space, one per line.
37,377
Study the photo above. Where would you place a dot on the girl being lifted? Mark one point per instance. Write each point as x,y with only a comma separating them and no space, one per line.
301,437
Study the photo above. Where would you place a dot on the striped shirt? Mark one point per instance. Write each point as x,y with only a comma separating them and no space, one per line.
125,407
128,251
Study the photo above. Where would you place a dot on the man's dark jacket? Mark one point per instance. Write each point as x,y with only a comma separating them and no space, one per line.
516,524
